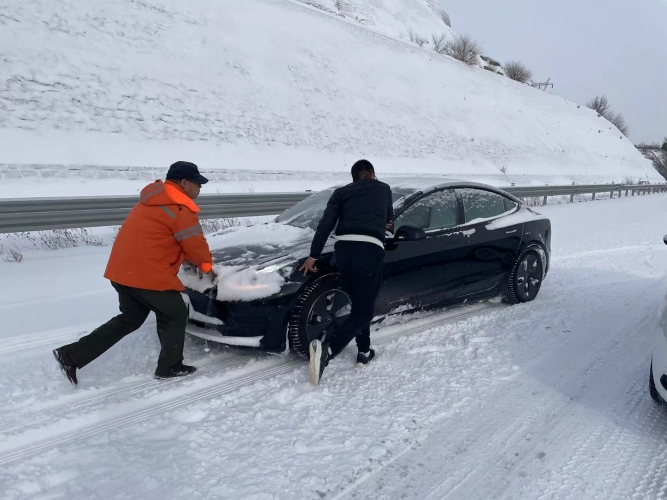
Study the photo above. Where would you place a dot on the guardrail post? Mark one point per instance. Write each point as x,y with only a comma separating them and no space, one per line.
593,195
572,195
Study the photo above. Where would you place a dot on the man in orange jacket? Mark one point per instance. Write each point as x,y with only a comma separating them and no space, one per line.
159,234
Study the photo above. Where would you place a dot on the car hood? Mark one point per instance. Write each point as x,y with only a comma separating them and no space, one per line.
259,245
250,262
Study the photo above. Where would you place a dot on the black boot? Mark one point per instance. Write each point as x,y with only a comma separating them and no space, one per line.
179,370
319,359
66,364
363,358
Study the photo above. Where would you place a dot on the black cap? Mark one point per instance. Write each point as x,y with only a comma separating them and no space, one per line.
186,170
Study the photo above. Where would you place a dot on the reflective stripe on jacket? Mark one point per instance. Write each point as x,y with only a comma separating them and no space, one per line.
160,232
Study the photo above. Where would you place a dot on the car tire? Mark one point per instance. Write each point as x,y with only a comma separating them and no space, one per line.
305,323
655,395
523,284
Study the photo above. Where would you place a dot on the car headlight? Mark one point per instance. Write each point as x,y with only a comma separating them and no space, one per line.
273,268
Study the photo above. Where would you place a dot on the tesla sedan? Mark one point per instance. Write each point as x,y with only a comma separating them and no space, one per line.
450,242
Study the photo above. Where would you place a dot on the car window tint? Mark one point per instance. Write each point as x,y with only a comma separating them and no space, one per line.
510,205
435,211
479,205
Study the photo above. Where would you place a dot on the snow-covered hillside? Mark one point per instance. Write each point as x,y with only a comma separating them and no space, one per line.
276,85
393,17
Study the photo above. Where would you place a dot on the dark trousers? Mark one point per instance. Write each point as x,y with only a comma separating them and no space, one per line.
135,306
361,265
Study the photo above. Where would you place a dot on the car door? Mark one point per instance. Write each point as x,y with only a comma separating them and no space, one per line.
428,271
491,246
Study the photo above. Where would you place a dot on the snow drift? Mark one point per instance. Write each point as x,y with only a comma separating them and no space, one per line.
274,85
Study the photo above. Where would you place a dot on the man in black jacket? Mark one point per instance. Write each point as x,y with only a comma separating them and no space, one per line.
362,210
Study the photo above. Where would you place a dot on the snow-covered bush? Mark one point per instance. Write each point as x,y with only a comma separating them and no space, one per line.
214,225
420,41
439,42
601,105
518,72
463,48
13,254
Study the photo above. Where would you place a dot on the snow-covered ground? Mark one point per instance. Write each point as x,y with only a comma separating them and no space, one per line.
543,400
276,85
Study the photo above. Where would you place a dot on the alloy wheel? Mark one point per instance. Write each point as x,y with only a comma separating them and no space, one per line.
331,308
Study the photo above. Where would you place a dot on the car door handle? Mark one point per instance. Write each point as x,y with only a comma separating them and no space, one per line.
452,242
510,232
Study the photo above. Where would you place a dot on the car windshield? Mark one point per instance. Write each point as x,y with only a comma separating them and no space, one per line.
307,213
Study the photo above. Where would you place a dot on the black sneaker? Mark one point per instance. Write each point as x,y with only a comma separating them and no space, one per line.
319,359
363,358
67,366
179,370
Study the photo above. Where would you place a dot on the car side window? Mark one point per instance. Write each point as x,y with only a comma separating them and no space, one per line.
510,205
480,205
433,212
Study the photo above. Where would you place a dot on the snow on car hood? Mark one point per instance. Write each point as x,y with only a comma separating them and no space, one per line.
251,262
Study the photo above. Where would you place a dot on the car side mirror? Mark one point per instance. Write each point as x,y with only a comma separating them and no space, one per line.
664,239
410,233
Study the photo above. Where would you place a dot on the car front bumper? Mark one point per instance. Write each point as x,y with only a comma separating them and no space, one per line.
250,324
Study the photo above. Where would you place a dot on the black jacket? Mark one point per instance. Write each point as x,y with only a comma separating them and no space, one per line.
363,207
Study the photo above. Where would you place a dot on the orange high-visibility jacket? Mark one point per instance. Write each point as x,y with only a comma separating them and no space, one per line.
160,232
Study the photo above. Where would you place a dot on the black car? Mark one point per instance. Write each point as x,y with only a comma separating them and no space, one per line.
452,242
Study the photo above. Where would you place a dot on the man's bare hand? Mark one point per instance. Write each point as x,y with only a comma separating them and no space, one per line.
309,266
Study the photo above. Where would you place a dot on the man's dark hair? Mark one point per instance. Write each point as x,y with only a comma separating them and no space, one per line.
362,170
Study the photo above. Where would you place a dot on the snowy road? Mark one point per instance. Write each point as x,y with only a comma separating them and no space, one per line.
545,400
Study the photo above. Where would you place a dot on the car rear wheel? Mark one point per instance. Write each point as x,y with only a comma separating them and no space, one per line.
655,395
525,278
321,305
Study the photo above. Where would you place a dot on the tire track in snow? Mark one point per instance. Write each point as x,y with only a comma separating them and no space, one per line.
518,431
36,344
57,298
122,393
25,346
604,251
281,367
590,453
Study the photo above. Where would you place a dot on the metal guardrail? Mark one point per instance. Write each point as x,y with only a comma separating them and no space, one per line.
36,214
546,191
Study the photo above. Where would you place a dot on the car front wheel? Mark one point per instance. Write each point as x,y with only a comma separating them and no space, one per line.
525,278
321,305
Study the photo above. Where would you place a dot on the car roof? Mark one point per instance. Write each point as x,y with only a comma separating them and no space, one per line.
426,184
407,185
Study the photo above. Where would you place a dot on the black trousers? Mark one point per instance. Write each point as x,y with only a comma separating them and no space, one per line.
361,265
135,306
